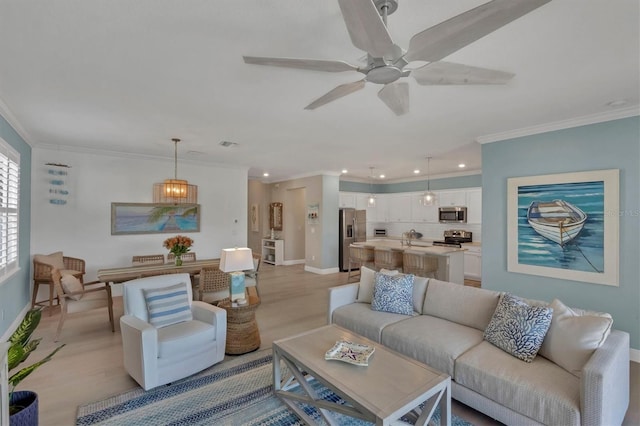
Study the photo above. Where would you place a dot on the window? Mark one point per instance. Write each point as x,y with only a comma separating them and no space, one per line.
9,209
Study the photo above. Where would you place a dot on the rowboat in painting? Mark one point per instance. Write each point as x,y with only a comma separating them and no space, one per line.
557,220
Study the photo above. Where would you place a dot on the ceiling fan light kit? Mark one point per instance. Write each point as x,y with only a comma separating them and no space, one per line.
175,191
366,22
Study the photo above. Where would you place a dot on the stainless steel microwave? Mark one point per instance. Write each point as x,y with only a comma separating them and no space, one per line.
452,214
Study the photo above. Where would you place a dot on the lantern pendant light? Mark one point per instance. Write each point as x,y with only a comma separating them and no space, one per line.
371,200
175,191
428,198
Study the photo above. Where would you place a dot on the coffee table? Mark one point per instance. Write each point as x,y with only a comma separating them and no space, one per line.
391,386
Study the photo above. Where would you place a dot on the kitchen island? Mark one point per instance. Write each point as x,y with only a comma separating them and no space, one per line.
450,259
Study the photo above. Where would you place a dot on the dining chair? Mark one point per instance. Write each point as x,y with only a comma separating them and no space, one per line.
360,256
42,267
387,258
75,296
149,259
213,285
419,264
187,257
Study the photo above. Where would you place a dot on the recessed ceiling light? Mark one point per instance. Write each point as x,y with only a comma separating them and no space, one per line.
265,174
416,171
381,176
345,171
462,165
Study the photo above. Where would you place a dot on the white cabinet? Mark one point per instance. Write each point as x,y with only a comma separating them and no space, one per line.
421,213
347,199
379,213
400,208
472,262
273,251
452,198
474,205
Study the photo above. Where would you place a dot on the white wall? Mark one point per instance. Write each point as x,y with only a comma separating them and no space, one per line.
82,227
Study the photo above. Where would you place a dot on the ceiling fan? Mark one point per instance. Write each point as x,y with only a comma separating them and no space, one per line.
387,62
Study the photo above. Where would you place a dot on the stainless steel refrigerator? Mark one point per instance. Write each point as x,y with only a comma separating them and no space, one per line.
352,229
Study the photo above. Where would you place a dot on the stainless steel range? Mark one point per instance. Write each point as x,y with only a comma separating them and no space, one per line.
455,238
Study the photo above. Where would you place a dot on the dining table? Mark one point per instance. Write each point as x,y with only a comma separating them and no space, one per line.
126,273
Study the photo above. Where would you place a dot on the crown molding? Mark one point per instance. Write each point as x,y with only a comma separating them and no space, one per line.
561,125
421,178
6,113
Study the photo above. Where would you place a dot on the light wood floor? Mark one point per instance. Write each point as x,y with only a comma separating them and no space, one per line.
90,367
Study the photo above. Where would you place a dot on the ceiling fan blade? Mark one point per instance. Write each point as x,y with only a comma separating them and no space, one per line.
453,34
303,64
396,96
367,30
338,92
443,73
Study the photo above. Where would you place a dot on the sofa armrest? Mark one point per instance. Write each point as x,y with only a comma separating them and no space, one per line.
140,348
604,388
340,296
213,315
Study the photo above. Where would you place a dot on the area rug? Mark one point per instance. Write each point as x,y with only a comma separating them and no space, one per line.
236,392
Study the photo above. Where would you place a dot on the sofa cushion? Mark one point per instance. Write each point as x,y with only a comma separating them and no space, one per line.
178,339
473,306
540,390
55,260
517,327
361,319
433,341
168,305
393,294
573,336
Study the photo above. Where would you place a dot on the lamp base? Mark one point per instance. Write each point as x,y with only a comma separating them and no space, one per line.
236,289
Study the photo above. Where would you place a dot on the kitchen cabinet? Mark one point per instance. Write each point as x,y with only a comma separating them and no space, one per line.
400,208
379,213
474,205
273,251
421,213
452,198
347,199
472,262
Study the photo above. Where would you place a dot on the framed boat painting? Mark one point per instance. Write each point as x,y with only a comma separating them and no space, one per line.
564,226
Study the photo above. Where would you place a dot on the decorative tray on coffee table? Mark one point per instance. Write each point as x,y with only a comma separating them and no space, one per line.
352,353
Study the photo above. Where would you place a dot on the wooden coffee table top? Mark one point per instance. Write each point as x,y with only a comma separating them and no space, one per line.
389,383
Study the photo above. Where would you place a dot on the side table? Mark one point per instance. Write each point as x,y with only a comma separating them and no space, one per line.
243,334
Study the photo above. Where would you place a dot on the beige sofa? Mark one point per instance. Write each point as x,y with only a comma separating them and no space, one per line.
446,331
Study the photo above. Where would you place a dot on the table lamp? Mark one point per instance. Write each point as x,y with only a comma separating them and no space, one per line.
234,261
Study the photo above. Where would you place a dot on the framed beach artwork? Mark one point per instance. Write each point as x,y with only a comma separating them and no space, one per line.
146,218
254,216
565,226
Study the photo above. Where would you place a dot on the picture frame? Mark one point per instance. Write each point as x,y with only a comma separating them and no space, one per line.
254,217
565,226
275,216
154,218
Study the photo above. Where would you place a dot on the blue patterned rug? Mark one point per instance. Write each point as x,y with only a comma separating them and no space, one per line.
236,392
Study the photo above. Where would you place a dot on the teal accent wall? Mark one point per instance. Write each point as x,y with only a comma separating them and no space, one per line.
15,292
609,145
471,181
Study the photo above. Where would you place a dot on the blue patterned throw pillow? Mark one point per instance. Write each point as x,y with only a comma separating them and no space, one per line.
168,305
517,327
393,294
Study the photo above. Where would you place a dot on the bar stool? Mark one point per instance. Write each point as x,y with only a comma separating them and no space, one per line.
361,256
387,258
419,264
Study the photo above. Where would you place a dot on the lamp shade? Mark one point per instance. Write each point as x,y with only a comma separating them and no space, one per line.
236,259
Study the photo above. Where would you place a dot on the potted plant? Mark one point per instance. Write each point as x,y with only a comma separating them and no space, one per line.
23,405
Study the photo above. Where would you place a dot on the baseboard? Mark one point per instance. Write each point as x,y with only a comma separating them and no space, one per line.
321,271
16,322
634,355
293,262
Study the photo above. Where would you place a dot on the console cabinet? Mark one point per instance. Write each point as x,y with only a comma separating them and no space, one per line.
273,251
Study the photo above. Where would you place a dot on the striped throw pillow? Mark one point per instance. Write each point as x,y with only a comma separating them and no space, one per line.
168,305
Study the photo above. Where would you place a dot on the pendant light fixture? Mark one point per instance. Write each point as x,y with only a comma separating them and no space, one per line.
428,198
371,201
175,191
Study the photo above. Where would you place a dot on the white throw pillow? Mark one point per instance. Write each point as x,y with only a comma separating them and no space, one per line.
55,260
367,281
574,336
71,284
168,305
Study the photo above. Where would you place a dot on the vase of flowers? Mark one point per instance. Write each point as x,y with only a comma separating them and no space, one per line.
178,246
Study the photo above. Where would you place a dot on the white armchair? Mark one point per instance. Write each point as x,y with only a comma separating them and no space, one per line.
157,356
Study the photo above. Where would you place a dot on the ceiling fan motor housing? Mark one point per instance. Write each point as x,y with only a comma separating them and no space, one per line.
391,6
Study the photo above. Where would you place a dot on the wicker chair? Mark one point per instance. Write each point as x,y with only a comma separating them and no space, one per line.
213,285
42,267
82,299
149,259
187,257
360,256
419,264
387,258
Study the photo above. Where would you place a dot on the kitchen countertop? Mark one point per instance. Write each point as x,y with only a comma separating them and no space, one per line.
395,244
